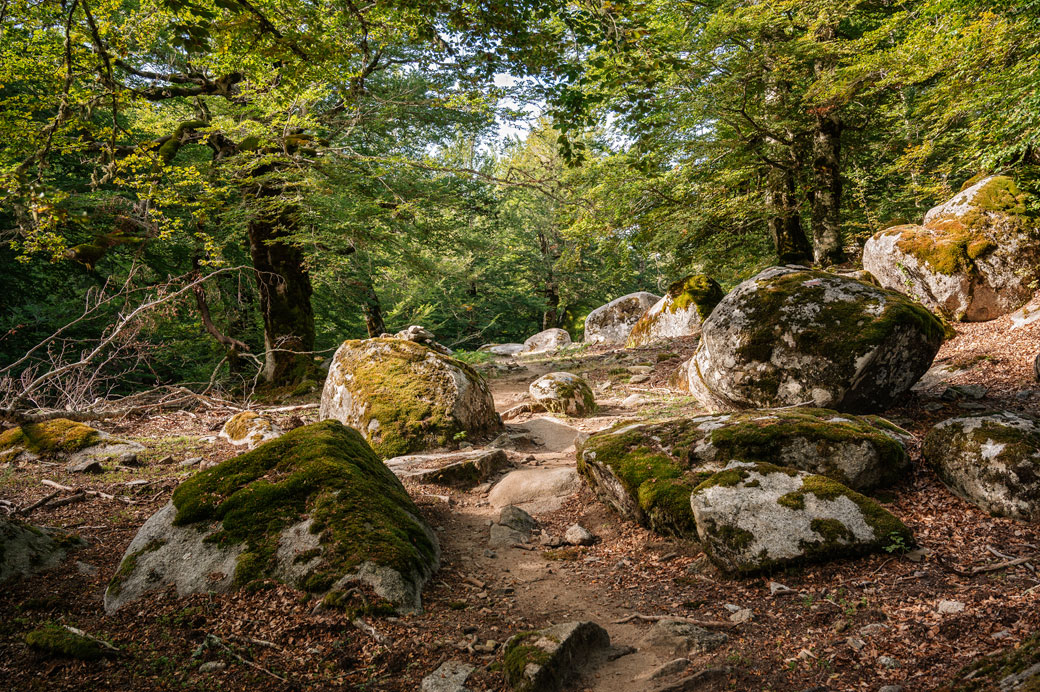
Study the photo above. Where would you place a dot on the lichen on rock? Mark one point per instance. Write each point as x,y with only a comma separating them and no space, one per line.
611,323
991,460
404,397
974,258
647,471
547,341
679,313
794,336
249,428
563,393
61,439
315,508
754,517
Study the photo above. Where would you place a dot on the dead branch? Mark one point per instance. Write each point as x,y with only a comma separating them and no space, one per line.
214,640
36,505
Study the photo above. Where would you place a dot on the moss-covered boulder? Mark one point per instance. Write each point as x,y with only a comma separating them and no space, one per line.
548,341
794,336
754,517
991,460
406,398
25,548
974,258
545,660
611,323
65,642
62,440
1014,670
647,471
315,508
564,393
679,313
249,428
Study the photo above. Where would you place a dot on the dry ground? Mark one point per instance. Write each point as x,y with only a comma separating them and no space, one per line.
476,601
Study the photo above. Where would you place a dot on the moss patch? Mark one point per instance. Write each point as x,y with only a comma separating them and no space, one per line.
988,671
57,641
698,290
406,393
129,565
518,654
58,436
326,471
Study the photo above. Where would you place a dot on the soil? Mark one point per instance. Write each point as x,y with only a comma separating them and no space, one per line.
269,637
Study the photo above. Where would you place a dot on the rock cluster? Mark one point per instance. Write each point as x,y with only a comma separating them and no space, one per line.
612,323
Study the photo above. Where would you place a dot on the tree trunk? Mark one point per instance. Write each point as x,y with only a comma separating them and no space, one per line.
551,315
373,311
826,170
785,223
285,291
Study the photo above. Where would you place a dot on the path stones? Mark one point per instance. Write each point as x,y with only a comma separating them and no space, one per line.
546,659
449,677
794,336
577,534
250,429
756,516
612,323
680,639
563,393
514,526
538,490
990,460
460,469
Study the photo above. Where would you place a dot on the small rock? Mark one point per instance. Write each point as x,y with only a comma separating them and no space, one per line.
742,615
673,667
888,662
1002,634
87,466
638,379
490,553
517,519
855,643
86,569
640,369
972,406
579,535
212,667
778,589
548,657
731,607
129,459
872,628
932,406
448,677
633,400
949,607
891,688
190,462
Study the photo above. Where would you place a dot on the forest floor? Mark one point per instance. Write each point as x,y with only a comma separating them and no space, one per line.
479,598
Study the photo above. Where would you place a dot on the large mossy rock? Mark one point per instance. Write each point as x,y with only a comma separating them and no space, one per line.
753,517
315,508
611,323
1012,670
974,258
548,341
62,440
25,549
679,313
547,659
406,398
646,472
563,393
991,460
793,336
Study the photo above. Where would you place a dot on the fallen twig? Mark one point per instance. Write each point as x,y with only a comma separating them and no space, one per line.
368,629
39,503
212,639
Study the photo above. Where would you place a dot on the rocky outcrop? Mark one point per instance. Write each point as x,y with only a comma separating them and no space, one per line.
563,393
679,313
544,660
25,549
974,258
756,516
315,508
991,460
405,398
646,472
793,336
75,444
549,341
249,428
611,323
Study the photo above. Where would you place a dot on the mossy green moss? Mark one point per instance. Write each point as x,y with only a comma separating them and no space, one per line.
987,672
698,290
58,436
326,471
518,654
840,330
57,641
570,397
240,424
406,393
